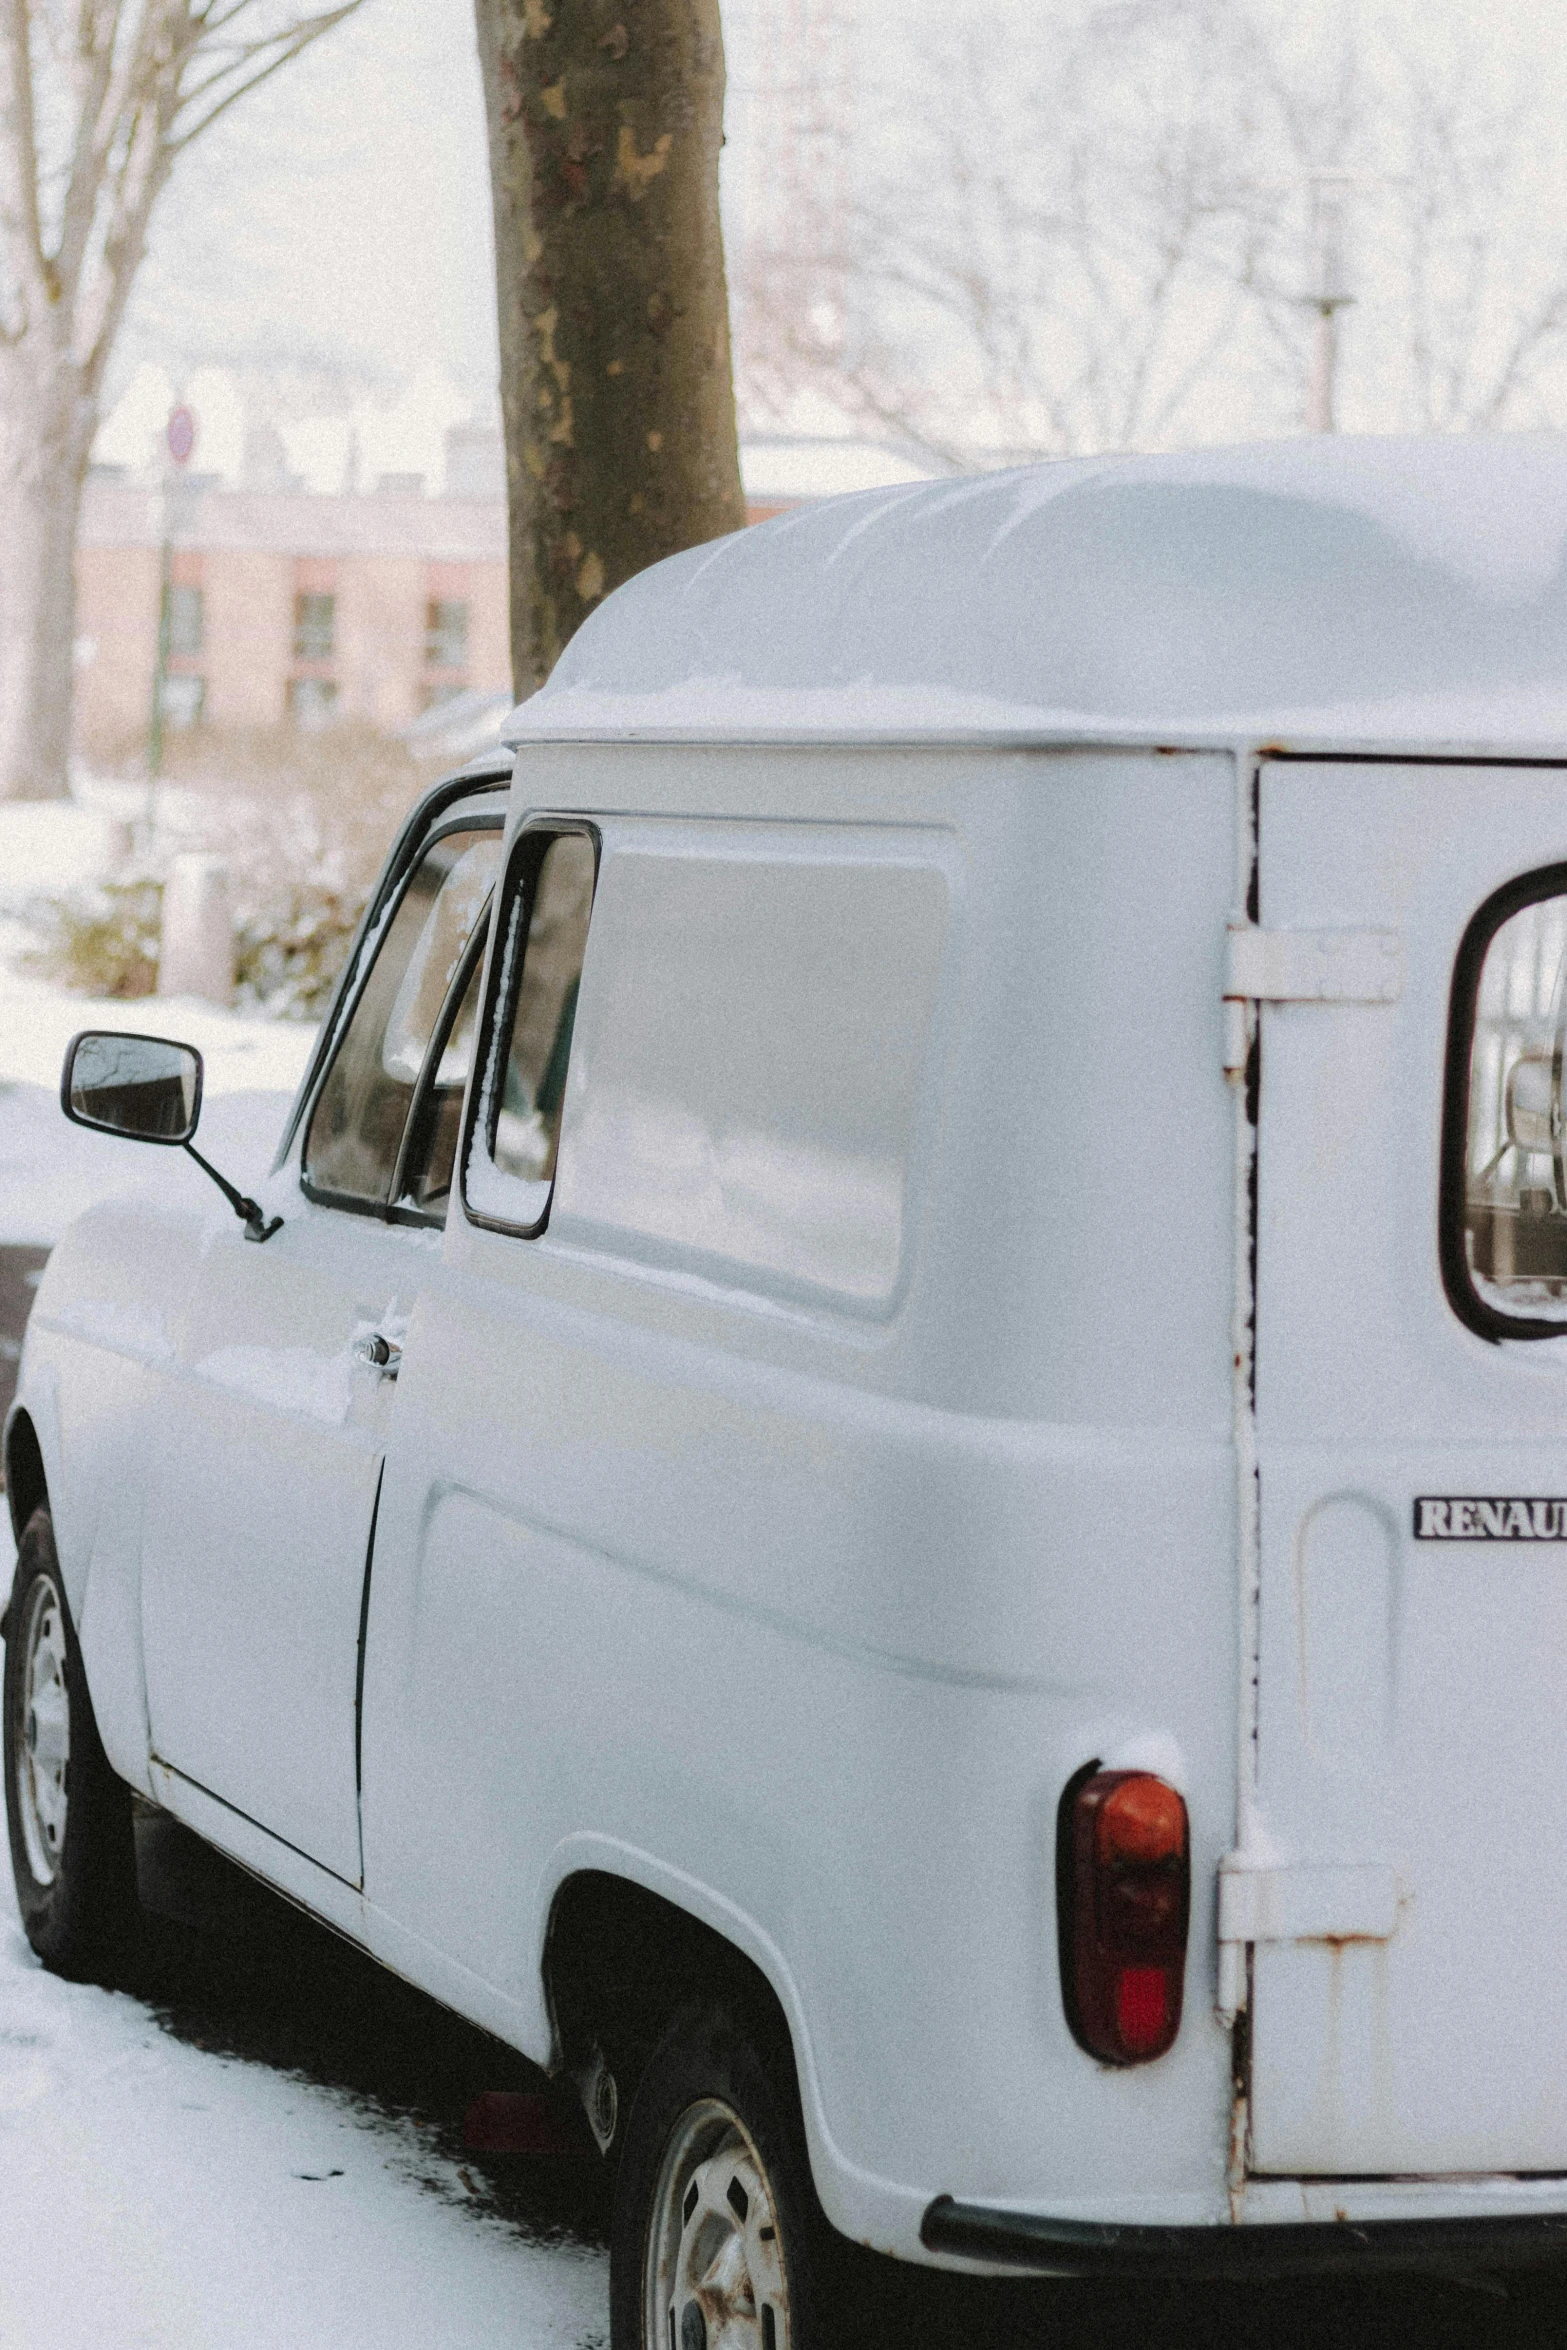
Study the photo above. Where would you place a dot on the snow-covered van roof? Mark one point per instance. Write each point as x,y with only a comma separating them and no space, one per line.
1338,592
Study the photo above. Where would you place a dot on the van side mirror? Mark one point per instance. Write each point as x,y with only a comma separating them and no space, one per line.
141,1087
146,1089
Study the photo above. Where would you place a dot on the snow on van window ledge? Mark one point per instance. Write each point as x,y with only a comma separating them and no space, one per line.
507,1199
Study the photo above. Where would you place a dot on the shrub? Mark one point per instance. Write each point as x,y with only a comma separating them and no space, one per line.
304,822
288,951
102,940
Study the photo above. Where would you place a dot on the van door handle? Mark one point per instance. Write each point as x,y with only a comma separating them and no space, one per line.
378,1353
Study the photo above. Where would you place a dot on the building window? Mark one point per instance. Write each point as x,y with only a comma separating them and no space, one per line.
445,633
312,701
182,621
315,627
183,698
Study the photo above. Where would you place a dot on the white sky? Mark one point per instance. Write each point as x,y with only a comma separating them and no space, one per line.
338,223
340,215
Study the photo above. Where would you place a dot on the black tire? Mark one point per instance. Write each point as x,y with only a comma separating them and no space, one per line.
76,1874
714,2073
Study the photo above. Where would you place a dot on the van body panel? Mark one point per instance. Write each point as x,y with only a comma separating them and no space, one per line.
1412,1702
814,1607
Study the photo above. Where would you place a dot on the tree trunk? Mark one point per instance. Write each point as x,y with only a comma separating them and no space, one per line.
43,463
605,122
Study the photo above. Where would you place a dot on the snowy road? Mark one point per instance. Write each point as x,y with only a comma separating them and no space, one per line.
157,2194
269,2156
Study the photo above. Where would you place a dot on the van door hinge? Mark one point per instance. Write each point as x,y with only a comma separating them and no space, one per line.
1332,1901
1304,967
1328,1901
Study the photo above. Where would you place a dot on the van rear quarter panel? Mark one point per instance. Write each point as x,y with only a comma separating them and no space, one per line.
806,1611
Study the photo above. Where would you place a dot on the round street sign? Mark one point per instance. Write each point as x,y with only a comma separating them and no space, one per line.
181,434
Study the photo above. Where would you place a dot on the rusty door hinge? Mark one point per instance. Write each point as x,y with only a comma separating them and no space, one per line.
1304,967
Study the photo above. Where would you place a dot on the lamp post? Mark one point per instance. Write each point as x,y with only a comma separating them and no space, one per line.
180,437
1330,294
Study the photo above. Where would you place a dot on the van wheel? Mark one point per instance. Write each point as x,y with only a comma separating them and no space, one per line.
718,2240
72,1847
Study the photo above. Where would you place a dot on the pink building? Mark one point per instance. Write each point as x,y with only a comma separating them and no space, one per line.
286,605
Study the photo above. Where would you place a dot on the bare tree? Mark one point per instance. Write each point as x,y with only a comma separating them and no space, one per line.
605,122
1460,273
1095,235
98,101
1047,246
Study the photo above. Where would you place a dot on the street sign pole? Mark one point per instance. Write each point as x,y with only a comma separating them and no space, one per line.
161,667
180,437
1330,192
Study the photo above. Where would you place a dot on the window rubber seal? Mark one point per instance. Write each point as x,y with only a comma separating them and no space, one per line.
515,893
1487,1321
418,832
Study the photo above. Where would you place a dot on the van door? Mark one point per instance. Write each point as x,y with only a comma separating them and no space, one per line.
1409,1996
261,1507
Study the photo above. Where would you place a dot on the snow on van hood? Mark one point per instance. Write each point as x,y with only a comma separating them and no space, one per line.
1409,591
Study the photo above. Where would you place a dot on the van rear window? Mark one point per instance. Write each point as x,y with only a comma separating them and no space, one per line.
1505,1203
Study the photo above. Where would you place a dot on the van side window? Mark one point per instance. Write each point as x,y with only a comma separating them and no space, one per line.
1505,1208
356,1127
510,1169
432,1145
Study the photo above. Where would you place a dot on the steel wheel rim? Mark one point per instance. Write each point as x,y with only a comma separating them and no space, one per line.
713,2272
43,1745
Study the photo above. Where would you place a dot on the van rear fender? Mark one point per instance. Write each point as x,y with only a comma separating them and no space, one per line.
26,1484
621,1961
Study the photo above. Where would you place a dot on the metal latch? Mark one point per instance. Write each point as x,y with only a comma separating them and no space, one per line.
1304,967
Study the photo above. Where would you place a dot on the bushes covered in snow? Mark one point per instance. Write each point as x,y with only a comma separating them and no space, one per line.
303,822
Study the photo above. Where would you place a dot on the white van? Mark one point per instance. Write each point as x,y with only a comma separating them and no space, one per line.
885,1469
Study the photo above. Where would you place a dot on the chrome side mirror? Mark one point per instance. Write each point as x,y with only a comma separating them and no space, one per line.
141,1087
146,1089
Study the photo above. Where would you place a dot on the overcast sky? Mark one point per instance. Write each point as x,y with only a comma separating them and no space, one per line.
339,220
340,215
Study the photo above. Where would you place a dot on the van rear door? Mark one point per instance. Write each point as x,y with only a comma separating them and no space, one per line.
1409,1976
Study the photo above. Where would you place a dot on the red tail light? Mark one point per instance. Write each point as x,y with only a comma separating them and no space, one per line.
1123,1883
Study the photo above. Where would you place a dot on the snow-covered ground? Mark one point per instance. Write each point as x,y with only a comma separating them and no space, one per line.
50,1170
153,2192
157,2196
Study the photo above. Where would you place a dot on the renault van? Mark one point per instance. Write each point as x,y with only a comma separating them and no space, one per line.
884,1470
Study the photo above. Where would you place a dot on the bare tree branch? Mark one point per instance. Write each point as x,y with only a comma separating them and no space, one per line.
20,132
252,64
